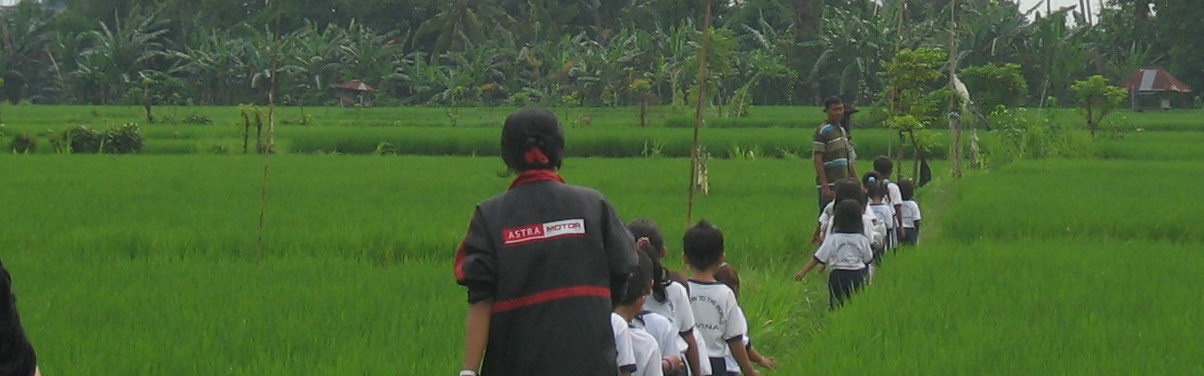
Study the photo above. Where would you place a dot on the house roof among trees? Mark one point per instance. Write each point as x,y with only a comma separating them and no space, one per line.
355,85
1155,80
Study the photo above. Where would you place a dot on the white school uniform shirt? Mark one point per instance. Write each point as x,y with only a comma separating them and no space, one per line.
911,213
893,195
885,213
663,330
624,357
845,251
647,353
716,316
677,308
730,360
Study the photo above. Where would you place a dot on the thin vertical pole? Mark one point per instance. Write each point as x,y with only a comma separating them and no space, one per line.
701,86
267,151
955,122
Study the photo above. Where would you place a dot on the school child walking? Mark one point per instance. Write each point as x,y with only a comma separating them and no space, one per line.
911,213
539,262
894,198
669,296
883,211
646,352
716,311
846,252
728,275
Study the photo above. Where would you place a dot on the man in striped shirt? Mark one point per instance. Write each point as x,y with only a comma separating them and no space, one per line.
833,152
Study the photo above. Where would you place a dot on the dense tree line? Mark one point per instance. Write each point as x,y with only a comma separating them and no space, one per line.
560,52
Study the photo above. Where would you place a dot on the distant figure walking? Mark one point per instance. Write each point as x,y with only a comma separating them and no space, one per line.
832,151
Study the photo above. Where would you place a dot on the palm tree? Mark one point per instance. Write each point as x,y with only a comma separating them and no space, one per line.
115,56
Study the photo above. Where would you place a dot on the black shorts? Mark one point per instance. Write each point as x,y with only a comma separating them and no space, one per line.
842,284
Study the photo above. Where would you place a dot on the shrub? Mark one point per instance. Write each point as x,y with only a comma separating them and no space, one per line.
23,143
123,139
991,85
198,119
77,139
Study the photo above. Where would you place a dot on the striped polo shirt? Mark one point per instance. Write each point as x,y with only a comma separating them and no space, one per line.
832,142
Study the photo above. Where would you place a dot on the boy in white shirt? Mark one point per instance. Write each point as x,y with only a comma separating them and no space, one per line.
911,213
894,198
716,312
669,297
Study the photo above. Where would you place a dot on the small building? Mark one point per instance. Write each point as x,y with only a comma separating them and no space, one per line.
1154,88
354,92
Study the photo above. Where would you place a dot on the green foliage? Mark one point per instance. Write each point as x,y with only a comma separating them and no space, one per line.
1096,99
992,85
1020,134
23,143
123,139
198,119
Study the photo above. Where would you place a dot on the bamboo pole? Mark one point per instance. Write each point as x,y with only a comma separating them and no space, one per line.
955,121
701,86
267,151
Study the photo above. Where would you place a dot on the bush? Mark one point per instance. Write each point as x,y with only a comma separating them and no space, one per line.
198,119
992,85
123,139
76,139
23,143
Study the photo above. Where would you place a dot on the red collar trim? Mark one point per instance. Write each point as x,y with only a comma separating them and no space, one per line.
531,176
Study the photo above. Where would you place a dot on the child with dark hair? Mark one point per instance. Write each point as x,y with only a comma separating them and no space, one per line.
850,189
645,350
894,198
539,262
911,213
728,275
17,357
670,297
846,252
880,207
716,312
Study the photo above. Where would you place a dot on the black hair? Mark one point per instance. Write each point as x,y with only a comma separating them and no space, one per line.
848,217
907,189
532,128
884,166
703,245
637,285
833,100
874,185
849,189
645,228
728,275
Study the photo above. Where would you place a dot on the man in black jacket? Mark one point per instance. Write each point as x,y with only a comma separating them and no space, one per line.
540,262
16,354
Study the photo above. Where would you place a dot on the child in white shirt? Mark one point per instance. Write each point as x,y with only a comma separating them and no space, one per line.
728,275
645,349
669,297
846,252
911,213
716,312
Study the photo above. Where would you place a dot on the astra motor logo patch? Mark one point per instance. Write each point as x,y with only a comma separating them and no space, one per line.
544,231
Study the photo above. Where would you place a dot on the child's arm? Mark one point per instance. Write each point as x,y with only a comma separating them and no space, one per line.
756,357
741,355
477,335
810,265
692,353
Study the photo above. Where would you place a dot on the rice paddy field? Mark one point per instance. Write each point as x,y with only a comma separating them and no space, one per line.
152,264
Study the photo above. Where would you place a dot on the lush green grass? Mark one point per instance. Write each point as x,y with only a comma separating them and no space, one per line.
149,264
1044,267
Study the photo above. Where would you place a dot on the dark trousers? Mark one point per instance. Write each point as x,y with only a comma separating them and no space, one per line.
911,236
719,367
819,194
842,284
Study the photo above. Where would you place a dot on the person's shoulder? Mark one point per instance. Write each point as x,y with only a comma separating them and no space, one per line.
826,128
656,319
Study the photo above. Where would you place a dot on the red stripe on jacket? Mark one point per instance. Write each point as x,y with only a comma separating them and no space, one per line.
550,295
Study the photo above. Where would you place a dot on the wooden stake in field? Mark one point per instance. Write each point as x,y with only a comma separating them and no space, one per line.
267,151
955,119
701,86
